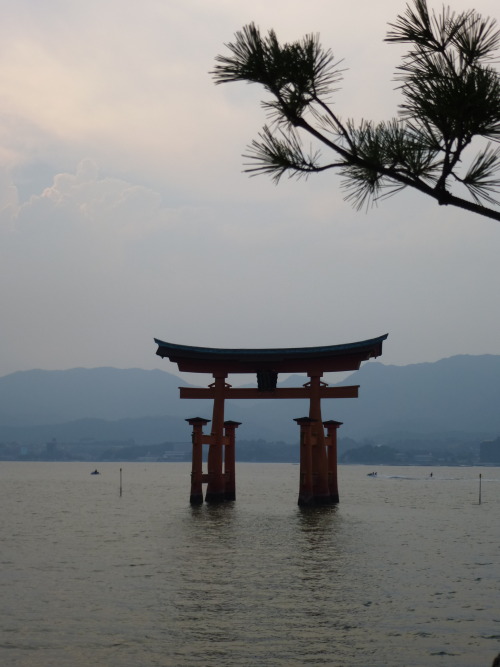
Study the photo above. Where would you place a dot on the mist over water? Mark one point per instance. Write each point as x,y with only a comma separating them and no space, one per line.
404,572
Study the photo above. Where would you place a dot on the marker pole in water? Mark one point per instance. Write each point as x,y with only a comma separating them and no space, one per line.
120,482
480,488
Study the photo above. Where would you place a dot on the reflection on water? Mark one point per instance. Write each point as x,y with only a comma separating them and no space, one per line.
403,572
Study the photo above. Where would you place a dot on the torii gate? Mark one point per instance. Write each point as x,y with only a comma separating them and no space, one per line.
318,451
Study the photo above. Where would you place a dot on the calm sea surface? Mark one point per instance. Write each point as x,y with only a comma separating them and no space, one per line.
405,571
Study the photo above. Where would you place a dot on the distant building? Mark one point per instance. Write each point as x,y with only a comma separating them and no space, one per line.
423,459
178,451
489,451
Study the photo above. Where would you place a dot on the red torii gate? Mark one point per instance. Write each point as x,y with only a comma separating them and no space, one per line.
318,451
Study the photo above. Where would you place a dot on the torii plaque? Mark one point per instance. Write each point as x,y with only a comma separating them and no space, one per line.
318,451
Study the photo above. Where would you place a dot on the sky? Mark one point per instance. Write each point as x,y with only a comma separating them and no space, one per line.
125,214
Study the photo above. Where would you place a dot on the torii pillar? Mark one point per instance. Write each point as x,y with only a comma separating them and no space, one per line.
332,427
230,459
321,491
196,497
216,487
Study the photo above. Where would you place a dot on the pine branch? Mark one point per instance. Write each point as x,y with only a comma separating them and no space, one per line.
277,156
451,95
480,179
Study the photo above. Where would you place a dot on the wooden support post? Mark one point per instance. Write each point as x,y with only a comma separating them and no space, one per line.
331,442
306,463
230,459
215,488
196,497
321,491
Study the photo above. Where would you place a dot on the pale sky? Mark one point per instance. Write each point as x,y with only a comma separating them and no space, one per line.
125,214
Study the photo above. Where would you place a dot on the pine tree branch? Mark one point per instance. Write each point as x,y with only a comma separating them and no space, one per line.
451,95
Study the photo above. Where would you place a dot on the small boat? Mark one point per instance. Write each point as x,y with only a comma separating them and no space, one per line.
372,474
96,472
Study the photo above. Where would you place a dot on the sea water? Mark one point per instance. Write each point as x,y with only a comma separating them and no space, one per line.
403,572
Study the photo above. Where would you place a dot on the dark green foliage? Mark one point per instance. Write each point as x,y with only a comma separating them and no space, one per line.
451,98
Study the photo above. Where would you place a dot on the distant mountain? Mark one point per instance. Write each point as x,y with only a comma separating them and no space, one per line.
108,404
460,393
47,397
144,430
457,394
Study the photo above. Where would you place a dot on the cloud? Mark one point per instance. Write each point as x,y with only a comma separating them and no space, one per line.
124,213
98,266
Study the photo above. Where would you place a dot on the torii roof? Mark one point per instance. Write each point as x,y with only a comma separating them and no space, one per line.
346,357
